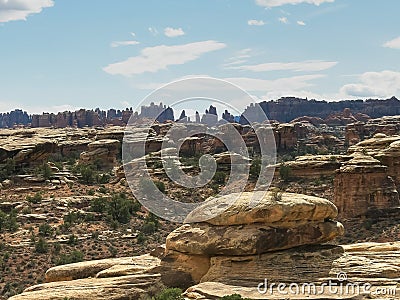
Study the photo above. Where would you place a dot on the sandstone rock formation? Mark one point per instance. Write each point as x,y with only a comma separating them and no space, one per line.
219,260
103,153
363,184
358,131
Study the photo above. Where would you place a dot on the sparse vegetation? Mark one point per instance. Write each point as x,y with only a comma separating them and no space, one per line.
35,199
285,172
73,257
8,222
7,169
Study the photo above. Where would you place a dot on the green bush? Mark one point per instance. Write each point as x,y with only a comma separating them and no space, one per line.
219,177
8,222
141,238
255,168
45,230
160,185
149,228
35,199
285,172
7,169
117,209
170,294
233,297
45,171
41,246
74,257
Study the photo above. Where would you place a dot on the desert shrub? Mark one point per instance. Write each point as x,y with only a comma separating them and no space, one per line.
169,294
285,172
117,209
160,185
45,171
152,218
91,192
99,205
113,251
72,240
233,297
8,222
149,228
7,169
219,177
141,238
45,230
41,246
103,178
255,168
73,257
56,248
35,199
87,174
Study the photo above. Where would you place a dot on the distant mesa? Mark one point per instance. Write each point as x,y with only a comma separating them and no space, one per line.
284,109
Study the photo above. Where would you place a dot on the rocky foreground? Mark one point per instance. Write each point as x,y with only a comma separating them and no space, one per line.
282,239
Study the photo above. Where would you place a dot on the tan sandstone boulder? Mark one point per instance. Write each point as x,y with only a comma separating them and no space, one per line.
283,210
203,239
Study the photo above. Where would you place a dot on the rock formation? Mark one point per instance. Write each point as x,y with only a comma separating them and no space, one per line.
362,184
289,108
102,153
276,241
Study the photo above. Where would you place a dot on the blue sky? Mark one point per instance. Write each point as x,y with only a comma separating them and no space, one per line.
68,54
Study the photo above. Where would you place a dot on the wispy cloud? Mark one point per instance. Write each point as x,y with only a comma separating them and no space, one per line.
374,84
239,58
393,44
255,22
124,43
275,3
301,23
12,10
153,59
284,20
302,66
173,32
153,31
281,86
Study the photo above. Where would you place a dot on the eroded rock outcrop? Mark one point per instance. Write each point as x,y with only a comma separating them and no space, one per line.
363,184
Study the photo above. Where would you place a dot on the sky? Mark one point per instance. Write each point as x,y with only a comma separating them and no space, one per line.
58,55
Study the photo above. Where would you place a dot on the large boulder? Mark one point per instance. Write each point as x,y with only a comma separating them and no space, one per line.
203,239
277,210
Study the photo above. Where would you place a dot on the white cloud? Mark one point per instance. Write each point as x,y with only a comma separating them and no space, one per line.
284,20
153,31
301,23
394,44
275,3
173,32
302,66
282,84
12,10
255,22
124,43
153,59
374,84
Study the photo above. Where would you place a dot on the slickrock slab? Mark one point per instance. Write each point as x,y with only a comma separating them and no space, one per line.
205,239
216,290
91,268
117,288
303,264
377,264
238,209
